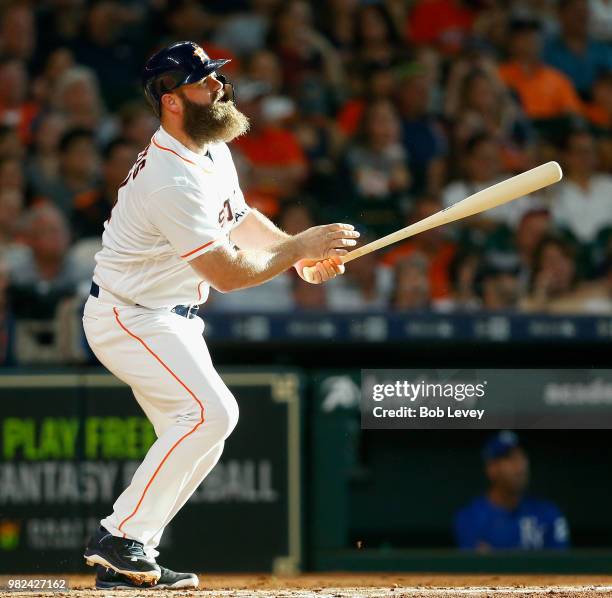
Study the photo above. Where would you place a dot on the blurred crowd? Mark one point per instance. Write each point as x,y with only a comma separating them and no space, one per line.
373,113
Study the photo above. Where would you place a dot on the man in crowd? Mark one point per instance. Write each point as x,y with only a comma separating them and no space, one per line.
505,517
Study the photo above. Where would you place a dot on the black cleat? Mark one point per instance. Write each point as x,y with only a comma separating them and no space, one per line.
107,579
122,556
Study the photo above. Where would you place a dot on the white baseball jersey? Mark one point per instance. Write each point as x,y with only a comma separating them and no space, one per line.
174,206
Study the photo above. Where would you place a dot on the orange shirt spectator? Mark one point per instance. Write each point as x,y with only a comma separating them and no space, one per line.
544,91
274,146
444,23
439,262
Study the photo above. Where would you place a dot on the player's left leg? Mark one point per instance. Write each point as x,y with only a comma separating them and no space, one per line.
201,470
107,579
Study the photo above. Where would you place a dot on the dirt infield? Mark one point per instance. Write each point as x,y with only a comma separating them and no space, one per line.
345,585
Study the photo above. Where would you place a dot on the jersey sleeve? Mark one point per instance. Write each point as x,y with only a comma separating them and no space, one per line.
240,207
184,217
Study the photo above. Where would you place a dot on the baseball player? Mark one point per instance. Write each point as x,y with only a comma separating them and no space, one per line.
506,517
180,225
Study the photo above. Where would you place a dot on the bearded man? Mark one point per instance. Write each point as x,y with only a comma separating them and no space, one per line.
180,225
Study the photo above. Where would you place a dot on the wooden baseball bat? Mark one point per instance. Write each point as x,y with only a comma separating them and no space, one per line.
491,197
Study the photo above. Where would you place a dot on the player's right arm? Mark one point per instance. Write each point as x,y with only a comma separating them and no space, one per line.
187,219
228,269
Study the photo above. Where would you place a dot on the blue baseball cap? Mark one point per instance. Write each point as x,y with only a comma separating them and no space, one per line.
500,445
179,64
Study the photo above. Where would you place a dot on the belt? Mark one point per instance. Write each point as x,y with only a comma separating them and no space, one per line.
187,311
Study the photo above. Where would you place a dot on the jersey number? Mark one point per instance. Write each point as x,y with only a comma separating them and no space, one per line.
226,214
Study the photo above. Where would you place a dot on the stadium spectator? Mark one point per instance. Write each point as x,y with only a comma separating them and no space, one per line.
245,31
43,164
92,208
377,168
186,19
373,83
365,285
411,284
78,168
307,57
274,164
498,287
43,285
506,517
534,226
45,82
554,276
376,39
443,23
483,167
337,21
462,273
58,25
264,66
17,32
582,202
16,109
478,103
422,134
544,92
102,48
319,138
432,244
599,111
77,98
44,274
573,53
137,124
515,249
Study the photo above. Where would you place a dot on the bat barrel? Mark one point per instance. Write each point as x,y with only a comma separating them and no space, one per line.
522,184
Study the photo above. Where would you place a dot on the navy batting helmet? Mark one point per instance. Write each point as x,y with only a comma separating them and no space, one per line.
179,64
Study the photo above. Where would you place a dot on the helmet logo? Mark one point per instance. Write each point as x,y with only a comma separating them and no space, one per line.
200,53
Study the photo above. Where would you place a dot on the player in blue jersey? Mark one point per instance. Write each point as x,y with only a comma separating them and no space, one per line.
505,518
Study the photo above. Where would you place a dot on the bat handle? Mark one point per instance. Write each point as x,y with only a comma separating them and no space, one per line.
308,272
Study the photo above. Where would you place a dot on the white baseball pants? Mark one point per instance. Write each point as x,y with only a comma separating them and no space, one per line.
164,358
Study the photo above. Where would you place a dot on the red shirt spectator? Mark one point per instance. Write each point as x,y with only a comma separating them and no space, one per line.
439,262
444,23
267,150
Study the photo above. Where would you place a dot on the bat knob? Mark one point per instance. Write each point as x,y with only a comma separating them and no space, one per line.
308,272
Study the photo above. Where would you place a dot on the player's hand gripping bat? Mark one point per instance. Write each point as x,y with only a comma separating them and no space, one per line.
496,195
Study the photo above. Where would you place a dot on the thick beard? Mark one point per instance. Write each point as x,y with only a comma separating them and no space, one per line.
218,122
